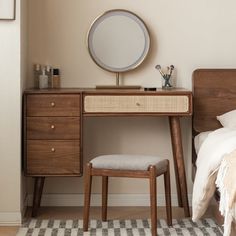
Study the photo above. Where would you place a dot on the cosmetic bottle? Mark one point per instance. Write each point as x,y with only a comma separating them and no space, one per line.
56,83
43,80
37,68
49,75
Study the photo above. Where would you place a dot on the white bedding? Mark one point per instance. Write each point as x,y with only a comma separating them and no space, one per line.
210,154
199,139
227,186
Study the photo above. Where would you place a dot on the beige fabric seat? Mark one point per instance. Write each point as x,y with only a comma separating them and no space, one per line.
131,166
128,162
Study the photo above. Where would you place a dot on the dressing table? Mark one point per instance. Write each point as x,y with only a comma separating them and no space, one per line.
53,124
118,41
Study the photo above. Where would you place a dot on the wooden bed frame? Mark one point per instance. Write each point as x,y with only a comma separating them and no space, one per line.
214,93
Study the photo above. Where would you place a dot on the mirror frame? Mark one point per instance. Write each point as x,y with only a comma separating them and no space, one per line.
142,25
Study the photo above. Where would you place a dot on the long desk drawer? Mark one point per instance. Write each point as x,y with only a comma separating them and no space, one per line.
53,157
136,104
53,105
53,128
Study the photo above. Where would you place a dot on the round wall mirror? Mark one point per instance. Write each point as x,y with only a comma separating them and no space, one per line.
118,41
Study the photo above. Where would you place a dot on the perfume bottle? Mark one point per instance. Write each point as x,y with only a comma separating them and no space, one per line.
49,75
37,70
43,80
56,81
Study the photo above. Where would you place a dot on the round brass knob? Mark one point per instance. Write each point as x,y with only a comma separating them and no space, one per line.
53,104
52,126
53,149
138,104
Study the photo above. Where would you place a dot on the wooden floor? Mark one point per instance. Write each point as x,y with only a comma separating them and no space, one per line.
95,213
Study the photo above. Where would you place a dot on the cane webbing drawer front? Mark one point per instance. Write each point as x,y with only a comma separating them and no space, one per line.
136,104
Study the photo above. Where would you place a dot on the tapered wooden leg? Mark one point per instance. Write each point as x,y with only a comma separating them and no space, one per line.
104,197
38,189
168,196
153,200
179,163
87,195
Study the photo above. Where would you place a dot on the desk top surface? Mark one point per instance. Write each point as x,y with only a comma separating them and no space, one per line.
85,91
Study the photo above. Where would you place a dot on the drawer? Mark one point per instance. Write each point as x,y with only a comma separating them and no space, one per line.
136,104
53,157
53,105
53,128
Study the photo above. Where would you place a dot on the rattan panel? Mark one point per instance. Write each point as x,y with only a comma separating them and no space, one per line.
135,103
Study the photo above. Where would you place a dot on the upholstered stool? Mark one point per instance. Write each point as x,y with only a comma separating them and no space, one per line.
134,166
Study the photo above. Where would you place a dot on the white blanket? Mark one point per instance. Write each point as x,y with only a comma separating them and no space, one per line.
217,144
227,186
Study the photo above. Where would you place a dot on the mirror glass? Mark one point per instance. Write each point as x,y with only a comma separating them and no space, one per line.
118,41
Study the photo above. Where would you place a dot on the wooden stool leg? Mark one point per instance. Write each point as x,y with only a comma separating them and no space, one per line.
168,196
87,195
153,200
104,197
38,189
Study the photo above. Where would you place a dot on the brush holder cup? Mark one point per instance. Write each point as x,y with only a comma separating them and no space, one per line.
167,82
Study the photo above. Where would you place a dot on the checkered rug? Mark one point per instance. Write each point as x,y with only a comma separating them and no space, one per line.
34,227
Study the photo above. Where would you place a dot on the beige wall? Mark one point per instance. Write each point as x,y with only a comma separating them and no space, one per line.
10,120
24,67
188,34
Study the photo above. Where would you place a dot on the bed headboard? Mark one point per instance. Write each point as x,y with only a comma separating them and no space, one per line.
214,93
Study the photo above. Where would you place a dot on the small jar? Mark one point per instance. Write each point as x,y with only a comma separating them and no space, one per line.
56,81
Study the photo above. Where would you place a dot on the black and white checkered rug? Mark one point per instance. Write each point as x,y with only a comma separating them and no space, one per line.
183,227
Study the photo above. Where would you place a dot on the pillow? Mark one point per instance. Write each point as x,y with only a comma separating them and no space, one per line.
228,119
199,139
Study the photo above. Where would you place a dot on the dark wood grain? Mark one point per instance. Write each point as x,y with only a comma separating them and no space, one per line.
53,128
153,199
53,157
152,173
52,136
87,195
168,196
118,173
63,103
178,157
38,190
104,197
214,94
53,105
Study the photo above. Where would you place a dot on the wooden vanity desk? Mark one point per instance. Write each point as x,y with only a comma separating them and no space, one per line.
53,128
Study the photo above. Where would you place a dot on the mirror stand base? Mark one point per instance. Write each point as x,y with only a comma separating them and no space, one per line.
118,87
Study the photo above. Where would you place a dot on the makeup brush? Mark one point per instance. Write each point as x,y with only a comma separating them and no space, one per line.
158,67
171,68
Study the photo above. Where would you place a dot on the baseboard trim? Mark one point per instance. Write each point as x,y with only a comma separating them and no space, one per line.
10,218
113,200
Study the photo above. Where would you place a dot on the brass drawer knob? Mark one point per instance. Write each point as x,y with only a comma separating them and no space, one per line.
138,104
53,149
53,104
52,126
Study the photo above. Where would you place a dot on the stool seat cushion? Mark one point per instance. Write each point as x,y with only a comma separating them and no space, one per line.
128,162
